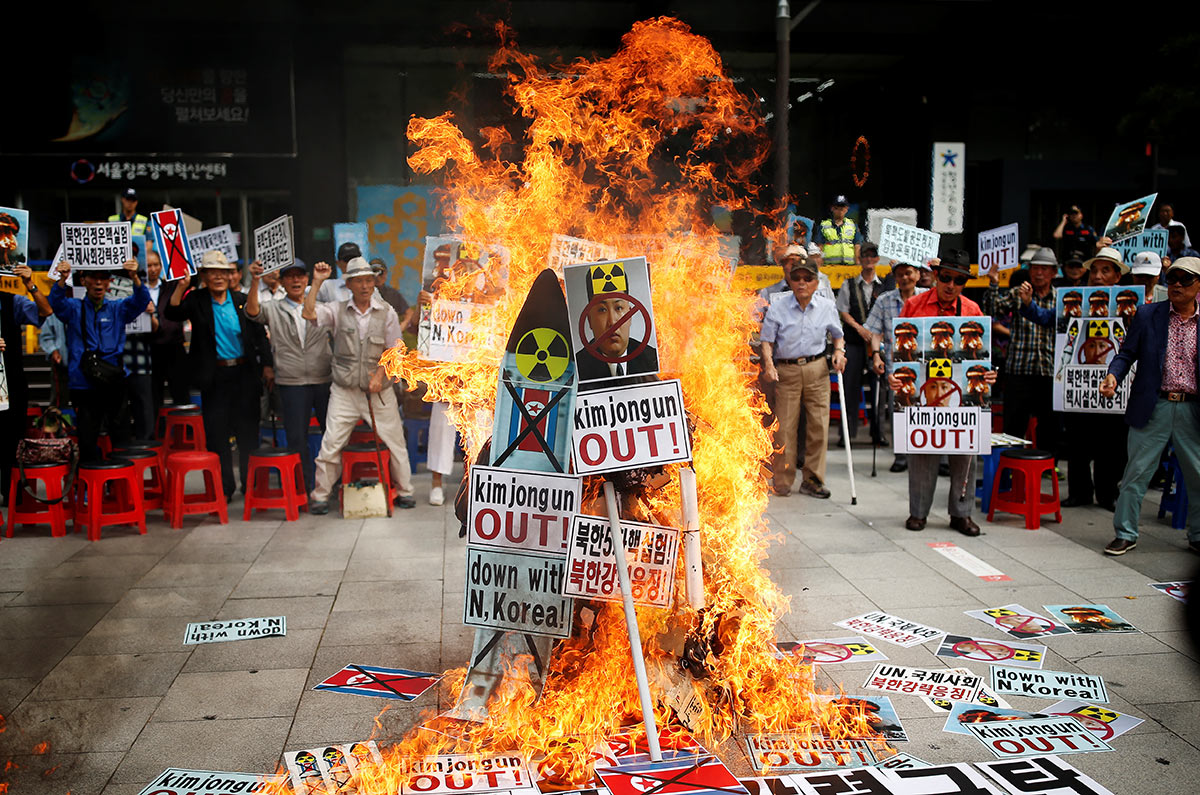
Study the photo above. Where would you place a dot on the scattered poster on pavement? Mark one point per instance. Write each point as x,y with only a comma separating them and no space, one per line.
904,243
878,712
860,780
1048,684
612,319
235,629
1177,590
1090,619
650,554
1090,325
373,680
947,186
1041,775
1019,622
627,427
219,238
516,592
528,511
630,747
807,752
953,779
961,647
210,782
1147,240
171,243
902,761
769,785
928,682
1036,737
331,768
999,249
831,651
962,714
274,246
1104,722
14,239
97,247
696,775
461,773
1129,218
566,250
961,557
891,628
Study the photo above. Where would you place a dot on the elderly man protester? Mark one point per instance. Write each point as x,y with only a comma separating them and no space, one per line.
334,288
887,308
1163,406
363,328
303,356
229,358
1146,270
793,338
1029,366
17,311
855,300
168,357
952,272
1073,273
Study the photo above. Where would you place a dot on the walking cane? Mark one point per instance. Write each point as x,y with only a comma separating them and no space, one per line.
846,436
387,487
876,392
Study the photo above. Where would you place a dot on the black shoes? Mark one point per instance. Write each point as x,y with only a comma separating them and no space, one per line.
814,488
914,524
1119,546
400,501
1076,502
900,464
965,525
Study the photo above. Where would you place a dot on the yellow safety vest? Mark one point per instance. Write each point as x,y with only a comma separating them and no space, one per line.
138,224
837,242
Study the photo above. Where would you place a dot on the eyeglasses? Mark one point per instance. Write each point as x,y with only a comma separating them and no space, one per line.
945,277
1182,278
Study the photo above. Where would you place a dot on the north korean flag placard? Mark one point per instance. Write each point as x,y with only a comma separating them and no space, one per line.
371,680
695,775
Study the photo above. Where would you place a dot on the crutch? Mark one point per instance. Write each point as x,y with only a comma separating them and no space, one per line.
846,436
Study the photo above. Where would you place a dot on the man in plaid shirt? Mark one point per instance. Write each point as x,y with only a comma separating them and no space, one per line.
1029,366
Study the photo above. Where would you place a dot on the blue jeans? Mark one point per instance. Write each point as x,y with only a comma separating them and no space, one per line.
1178,423
299,403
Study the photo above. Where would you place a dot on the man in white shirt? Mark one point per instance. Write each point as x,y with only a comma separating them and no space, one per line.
334,288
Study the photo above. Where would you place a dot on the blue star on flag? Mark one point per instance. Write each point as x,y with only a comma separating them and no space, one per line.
948,158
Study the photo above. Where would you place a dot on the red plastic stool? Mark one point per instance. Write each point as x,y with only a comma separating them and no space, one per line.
23,509
104,442
184,431
177,504
93,512
291,496
146,459
155,446
362,461
362,434
1025,496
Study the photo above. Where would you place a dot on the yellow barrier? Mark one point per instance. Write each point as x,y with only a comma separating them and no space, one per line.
756,277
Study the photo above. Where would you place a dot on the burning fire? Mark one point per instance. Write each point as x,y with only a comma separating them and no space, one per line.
635,147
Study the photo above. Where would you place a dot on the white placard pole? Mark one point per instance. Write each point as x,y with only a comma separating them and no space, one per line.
692,566
635,637
846,436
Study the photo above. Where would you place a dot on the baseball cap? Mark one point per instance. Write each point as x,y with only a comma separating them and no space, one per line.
129,193
297,265
1189,264
378,265
1146,263
357,267
348,251
868,248
838,200
1074,208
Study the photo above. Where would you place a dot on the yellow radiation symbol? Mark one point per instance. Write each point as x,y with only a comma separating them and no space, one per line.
943,703
999,611
608,277
1098,328
1027,654
468,251
1099,713
940,368
859,648
542,355
988,701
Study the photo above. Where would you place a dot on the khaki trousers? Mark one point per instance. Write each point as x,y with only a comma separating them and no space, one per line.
346,408
801,387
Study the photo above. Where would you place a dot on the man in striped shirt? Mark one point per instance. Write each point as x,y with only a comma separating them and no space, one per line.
887,308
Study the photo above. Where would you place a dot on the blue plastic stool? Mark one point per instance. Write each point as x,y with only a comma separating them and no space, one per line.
1174,496
416,435
991,463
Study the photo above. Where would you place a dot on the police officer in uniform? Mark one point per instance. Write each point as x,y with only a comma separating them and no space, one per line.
129,203
838,236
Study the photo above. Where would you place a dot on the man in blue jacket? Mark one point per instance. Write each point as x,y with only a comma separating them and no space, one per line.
1163,406
95,347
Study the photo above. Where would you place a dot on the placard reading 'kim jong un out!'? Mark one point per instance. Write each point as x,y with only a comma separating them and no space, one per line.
630,426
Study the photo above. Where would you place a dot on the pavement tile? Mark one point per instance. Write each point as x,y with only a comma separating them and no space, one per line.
110,676
159,540
77,726
259,585
395,598
366,569
899,593
193,552
814,612
103,566
1111,582
134,636
1143,763
195,603
1146,678
823,580
1032,597
1082,647
298,560
294,650
49,621
365,627
34,657
40,551
232,694
1179,641
313,730
75,591
1059,557
252,745
1181,718
55,773
870,565
13,691
302,612
236,532
183,575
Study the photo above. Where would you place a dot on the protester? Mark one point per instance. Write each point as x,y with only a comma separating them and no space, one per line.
390,294
1074,233
363,328
441,450
16,311
953,270
303,357
793,356
887,308
1177,245
52,340
269,287
1162,341
95,328
1166,219
1073,273
229,359
137,221
138,364
1029,360
1146,271
838,235
168,358
334,289
855,299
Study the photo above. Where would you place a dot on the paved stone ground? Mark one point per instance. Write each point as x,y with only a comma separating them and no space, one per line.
92,661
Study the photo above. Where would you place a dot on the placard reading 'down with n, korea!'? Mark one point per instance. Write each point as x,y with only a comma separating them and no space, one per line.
629,427
650,554
1048,684
529,511
516,592
235,629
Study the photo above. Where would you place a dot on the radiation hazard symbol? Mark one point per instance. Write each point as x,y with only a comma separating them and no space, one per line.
940,368
1026,654
608,277
1098,329
860,648
542,355
1099,713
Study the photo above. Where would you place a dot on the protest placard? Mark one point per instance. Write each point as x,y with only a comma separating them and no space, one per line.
1129,218
947,186
961,647
831,651
352,232
630,747
97,247
566,250
1177,590
372,680
330,769
999,249
447,328
904,243
928,682
273,246
463,278
4,395
961,713
807,752
14,239
1103,722
1037,736
611,319
235,629
462,773
956,554
171,243
180,781
986,699
877,711
876,216
139,246
953,779
1147,240
512,509
854,781
1041,775
1019,622
1090,324
628,427
891,628
1090,619
121,287
219,238
650,554
516,591
690,775
1048,684
902,761
769,785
